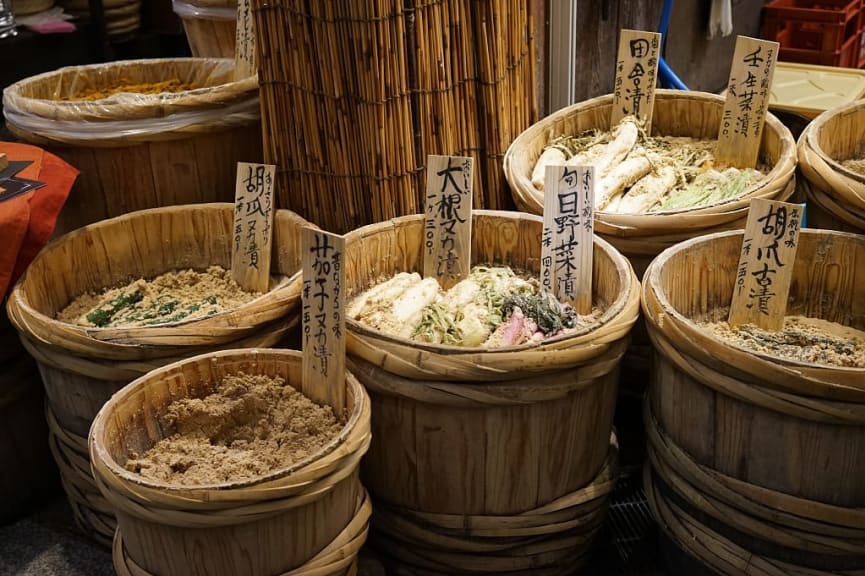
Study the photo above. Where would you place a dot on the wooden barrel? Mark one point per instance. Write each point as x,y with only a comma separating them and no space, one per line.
756,461
835,194
82,367
641,237
309,518
488,460
140,151
209,25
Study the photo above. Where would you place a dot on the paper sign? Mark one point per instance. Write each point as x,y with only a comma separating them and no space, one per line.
244,51
766,264
448,223
567,237
253,226
323,317
748,92
636,77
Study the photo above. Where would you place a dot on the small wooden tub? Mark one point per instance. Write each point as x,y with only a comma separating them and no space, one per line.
494,460
307,519
835,194
140,151
82,367
210,26
752,455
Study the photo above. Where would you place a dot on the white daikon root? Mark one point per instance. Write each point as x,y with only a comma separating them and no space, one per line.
408,308
648,191
623,175
552,156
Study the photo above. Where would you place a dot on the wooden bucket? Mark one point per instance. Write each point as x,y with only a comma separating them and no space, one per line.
758,451
307,519
836,195
549,406
27,472
210,26
139,151
641,237
82,367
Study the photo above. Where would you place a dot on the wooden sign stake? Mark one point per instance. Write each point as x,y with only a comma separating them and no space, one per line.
748,92
448,223
244,50
766,264
636,77
253,226
323,317
567,238
4,162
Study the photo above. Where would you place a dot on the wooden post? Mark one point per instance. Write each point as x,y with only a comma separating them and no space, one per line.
636,77
766,264
244,51
748,92
253,226
448,223
567,239
323,317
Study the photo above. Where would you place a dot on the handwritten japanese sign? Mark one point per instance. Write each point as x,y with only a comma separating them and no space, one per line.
766,264
253,226
567,237
748,92
636,76
323,318
448,223
244,51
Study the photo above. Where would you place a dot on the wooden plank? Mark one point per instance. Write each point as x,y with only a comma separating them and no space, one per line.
636,77
748,91
566,242
766,264
448,223
4,161
324,318
244,50
253,226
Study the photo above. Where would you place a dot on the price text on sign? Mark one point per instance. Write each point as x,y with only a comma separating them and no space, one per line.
244,52
748,92
766,264
448,222
253,226
636,76
323,316
567,237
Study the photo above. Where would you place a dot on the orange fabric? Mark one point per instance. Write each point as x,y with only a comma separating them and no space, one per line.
27,220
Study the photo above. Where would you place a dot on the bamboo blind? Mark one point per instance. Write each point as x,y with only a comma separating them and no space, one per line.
356,93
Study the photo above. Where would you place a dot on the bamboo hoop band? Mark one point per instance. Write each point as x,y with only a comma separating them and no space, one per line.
828,532
92,512
523,391
337,558
712,549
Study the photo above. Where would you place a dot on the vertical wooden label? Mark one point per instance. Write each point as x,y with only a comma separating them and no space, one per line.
748,93
253,226
448,223
244,51
323,317
636,76
766,264
567,238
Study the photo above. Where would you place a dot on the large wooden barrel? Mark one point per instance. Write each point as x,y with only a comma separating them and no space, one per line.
756,461
308,519
82,367
210,26
835,193
489,460
139,151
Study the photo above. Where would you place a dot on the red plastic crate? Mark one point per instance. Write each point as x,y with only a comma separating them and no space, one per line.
849,56
824,26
